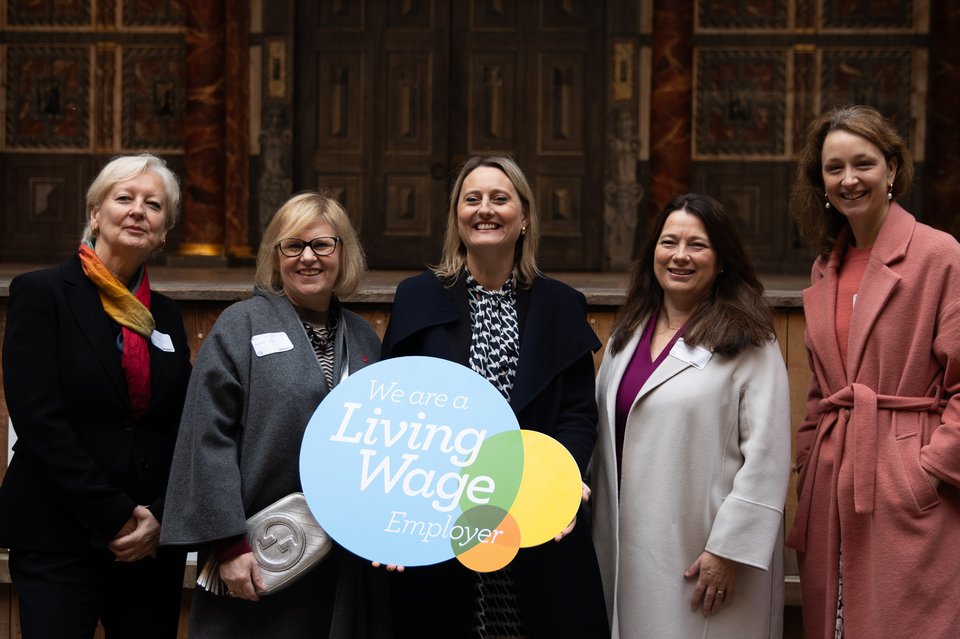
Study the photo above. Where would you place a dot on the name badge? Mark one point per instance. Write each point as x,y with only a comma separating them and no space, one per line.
162,341
269,343
697,356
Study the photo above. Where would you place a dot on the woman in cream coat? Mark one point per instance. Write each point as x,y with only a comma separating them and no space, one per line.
691,467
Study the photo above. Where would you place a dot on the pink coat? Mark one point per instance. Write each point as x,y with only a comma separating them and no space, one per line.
873,432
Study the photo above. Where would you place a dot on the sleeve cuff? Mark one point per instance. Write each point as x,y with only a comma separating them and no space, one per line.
232,548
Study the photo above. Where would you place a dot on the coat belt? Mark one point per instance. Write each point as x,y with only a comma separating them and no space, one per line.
859,402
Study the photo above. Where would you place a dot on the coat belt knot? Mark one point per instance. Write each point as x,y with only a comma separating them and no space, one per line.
857,406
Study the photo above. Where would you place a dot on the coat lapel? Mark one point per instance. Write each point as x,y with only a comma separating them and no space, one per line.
819,308
84,302
542,355
879,281
668,368
611,378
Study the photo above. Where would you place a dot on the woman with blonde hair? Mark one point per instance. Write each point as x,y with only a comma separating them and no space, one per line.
95,367
488,307
260,374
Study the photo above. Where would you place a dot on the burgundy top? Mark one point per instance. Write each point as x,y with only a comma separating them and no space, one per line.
638,371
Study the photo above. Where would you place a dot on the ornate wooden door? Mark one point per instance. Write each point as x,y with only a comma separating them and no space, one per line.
393,96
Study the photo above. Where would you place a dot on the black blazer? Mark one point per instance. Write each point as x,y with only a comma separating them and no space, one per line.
82,461
558,584
553,391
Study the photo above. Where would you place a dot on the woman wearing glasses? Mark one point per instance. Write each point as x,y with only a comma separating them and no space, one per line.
260,374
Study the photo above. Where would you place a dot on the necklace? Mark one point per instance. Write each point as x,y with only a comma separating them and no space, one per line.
663,323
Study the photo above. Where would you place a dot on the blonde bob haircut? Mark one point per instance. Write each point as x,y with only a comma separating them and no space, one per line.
454,257
296,214
127,167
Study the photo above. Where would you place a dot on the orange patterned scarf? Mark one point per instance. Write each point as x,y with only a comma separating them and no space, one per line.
132,312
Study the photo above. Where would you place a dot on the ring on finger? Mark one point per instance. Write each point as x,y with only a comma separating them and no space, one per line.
721,593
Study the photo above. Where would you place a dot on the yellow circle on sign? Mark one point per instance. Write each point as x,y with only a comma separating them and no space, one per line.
550,489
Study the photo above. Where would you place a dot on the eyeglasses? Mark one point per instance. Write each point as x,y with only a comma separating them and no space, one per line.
293,246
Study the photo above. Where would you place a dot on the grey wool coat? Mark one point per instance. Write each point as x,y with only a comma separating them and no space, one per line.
238,451
706,459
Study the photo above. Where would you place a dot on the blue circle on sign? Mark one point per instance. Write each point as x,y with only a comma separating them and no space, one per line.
386,458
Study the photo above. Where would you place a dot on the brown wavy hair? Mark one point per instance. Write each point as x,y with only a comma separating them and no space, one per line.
819,225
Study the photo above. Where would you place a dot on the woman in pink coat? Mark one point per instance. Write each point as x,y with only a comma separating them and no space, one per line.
877,529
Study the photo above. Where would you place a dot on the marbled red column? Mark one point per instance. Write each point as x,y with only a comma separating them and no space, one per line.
670,101
205,144
237,193
941,181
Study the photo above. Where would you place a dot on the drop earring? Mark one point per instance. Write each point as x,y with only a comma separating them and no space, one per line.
890,192
827,205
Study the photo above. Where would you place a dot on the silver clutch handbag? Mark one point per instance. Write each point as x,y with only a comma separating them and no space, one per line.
286,540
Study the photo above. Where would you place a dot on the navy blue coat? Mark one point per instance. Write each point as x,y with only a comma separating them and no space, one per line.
558,584
82,461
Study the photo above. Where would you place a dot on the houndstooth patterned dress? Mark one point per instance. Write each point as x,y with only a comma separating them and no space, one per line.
494,352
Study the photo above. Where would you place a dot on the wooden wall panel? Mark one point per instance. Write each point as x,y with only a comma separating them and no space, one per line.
492,115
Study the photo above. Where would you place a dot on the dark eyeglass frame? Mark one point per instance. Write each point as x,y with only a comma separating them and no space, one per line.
290,252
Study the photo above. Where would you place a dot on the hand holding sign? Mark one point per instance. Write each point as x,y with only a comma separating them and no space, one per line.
416,460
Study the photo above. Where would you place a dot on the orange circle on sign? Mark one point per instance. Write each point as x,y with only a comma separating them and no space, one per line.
485,548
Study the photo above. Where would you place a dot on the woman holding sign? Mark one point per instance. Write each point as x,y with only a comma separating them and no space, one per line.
691,468
488,307
259,375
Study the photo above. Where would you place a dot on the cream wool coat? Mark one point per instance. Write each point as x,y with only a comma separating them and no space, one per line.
706,462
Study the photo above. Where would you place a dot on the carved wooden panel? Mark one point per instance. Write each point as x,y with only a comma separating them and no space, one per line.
348,190
766,15
153,13
559,200
65,13
43,200
562,15
881,78
406,90
410,14
340,15
740,103
409,92
48,97
752,193
805,103
407,206
493,15
153,100
492,104
868,14
105,88
339,125
562,98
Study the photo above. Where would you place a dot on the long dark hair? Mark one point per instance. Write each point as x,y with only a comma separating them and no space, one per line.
734,315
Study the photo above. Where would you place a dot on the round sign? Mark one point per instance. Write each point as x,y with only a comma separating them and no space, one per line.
416,460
